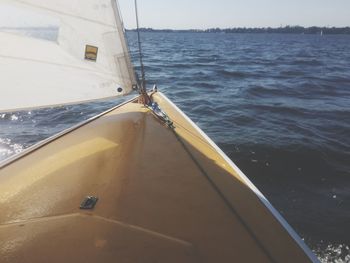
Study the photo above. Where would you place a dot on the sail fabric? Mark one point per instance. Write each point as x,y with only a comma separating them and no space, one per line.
89,60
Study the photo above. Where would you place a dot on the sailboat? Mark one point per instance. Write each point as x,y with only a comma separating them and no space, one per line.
140,182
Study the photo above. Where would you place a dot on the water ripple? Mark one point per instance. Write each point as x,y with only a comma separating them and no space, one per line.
278,105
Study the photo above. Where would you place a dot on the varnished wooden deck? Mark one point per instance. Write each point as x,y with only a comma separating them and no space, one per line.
164,196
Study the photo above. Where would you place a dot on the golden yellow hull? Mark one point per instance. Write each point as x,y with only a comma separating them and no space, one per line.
164,195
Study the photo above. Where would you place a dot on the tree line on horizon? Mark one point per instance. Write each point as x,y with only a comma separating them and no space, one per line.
284,30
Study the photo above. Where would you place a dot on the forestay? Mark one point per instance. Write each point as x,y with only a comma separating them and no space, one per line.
88,61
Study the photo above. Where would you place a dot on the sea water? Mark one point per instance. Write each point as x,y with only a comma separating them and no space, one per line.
277,104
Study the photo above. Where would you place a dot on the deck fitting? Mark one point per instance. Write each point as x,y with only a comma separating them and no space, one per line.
89,202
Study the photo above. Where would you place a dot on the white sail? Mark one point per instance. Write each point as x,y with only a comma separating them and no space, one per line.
88,61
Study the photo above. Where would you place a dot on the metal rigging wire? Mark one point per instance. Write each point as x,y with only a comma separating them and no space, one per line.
143,79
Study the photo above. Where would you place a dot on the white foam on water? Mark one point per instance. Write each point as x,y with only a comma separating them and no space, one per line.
14,117
339,253
7,148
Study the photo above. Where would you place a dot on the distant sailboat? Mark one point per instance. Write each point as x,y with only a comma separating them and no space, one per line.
138,183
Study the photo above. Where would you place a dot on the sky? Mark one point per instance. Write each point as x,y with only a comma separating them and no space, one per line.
201,14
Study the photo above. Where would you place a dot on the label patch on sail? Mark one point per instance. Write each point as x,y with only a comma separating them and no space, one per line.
91,53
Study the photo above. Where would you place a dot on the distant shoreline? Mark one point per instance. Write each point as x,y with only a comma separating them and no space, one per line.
244,30
281,30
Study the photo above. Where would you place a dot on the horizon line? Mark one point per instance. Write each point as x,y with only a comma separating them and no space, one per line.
244,27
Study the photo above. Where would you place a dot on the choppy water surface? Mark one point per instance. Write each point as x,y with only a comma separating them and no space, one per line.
278,105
